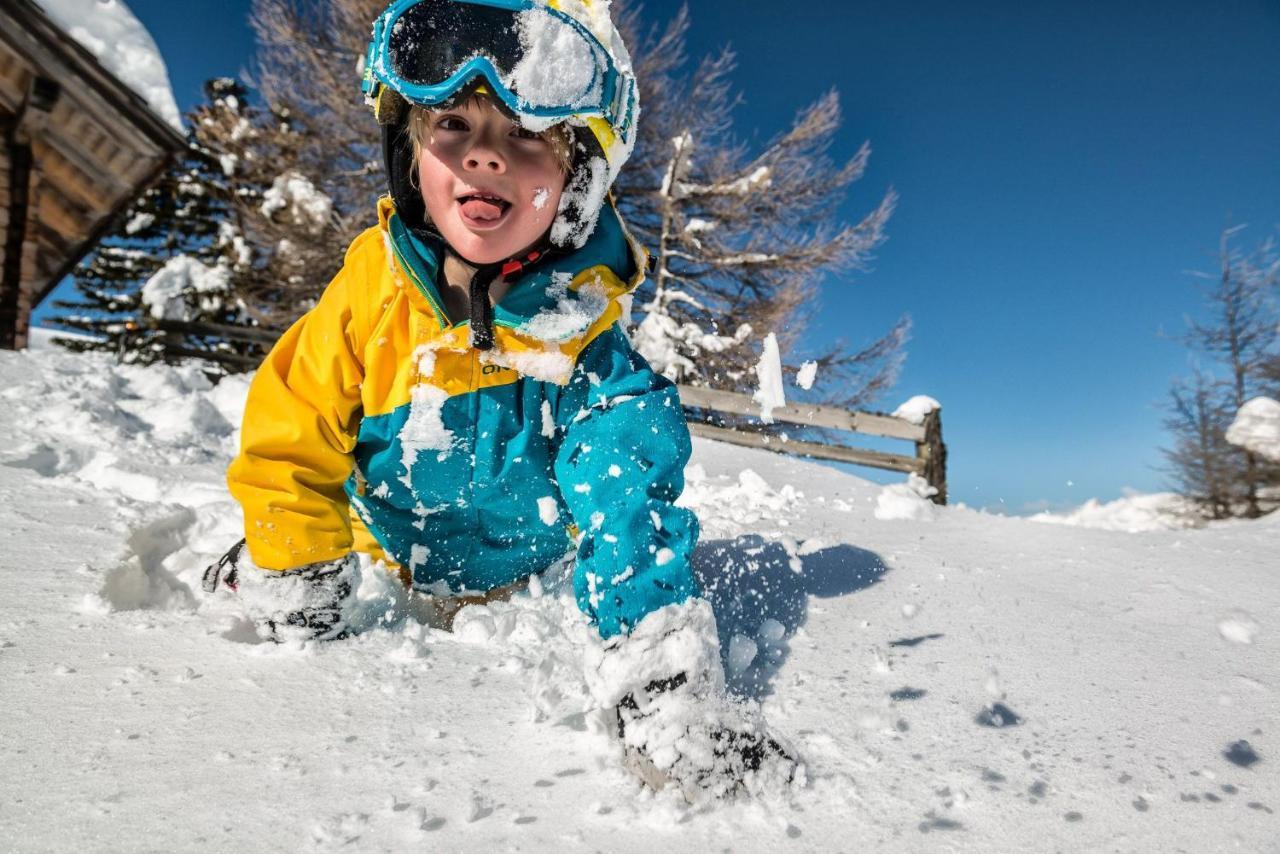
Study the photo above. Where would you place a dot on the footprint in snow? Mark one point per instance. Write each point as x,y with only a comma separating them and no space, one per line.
933,822
998,716
916,641
1241,753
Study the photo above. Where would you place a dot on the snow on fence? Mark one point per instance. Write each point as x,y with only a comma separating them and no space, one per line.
930,460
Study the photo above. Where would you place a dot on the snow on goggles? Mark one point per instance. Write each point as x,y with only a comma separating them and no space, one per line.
537,60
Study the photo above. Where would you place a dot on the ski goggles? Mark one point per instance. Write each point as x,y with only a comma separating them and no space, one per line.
537,60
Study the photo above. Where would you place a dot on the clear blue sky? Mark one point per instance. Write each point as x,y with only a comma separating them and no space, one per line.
1060,165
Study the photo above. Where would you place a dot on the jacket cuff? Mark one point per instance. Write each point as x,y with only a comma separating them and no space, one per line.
676,639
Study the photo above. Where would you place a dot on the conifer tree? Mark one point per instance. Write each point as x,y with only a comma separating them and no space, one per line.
280,229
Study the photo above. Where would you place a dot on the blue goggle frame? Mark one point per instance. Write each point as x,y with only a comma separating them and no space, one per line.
616,101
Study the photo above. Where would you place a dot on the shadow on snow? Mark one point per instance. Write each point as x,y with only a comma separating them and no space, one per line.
750,580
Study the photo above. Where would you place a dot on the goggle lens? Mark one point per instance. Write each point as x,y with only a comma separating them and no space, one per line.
542,60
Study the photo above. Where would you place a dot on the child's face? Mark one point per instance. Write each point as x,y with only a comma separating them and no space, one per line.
490,187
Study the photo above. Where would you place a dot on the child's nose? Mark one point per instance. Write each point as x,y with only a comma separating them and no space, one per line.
485,158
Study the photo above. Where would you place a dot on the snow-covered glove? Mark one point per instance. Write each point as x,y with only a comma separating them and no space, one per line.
676,723
307,603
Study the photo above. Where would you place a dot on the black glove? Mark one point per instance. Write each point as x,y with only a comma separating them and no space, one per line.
306,603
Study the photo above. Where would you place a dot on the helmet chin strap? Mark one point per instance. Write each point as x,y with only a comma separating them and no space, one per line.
482,278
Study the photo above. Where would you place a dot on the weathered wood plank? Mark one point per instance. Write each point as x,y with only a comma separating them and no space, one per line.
839,453
806,414
90,189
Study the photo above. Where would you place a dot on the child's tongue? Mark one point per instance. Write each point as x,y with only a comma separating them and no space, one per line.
482,209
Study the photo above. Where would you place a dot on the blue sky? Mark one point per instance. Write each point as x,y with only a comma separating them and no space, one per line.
1061,167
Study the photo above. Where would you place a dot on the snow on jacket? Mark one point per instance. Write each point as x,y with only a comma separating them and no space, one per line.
374,426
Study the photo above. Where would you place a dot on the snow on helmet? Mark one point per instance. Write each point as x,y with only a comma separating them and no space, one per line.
541,61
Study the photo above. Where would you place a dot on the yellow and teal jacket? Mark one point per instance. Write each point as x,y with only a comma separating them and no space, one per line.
373,425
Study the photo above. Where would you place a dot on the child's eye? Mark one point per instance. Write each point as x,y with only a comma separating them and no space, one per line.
452,123
524,133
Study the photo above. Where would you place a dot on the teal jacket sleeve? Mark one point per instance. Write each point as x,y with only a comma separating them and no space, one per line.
620,467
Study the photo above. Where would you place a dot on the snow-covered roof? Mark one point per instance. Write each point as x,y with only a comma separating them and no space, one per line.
119,41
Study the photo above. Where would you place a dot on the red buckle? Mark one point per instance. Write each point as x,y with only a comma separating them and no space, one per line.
513,266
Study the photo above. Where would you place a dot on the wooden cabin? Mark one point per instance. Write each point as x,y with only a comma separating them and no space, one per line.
78,146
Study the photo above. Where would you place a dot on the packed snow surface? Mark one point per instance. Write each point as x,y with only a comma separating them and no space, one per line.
976,683
109,31
1257,428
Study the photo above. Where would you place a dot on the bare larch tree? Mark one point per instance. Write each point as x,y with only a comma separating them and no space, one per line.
741,242
1239,336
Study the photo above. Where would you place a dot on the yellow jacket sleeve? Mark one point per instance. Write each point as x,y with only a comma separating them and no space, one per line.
299,430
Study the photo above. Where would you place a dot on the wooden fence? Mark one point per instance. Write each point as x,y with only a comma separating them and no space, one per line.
930,460
701,404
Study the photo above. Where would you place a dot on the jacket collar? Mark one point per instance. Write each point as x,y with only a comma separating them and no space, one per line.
532,293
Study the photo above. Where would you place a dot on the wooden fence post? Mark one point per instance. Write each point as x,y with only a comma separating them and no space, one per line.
933,453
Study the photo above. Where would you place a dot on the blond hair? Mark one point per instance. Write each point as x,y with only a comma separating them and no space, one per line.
559,137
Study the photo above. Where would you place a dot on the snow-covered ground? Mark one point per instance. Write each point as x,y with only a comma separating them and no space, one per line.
1127,669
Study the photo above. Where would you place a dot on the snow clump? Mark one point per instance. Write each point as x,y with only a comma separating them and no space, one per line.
424,428
723,508
573,313
917,409
303,205
556,65
670,347
548,511
1256,428
806,375
1238,627
908,500
742,651
184,287
770,394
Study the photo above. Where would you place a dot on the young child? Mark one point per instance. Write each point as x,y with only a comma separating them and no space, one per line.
462,403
